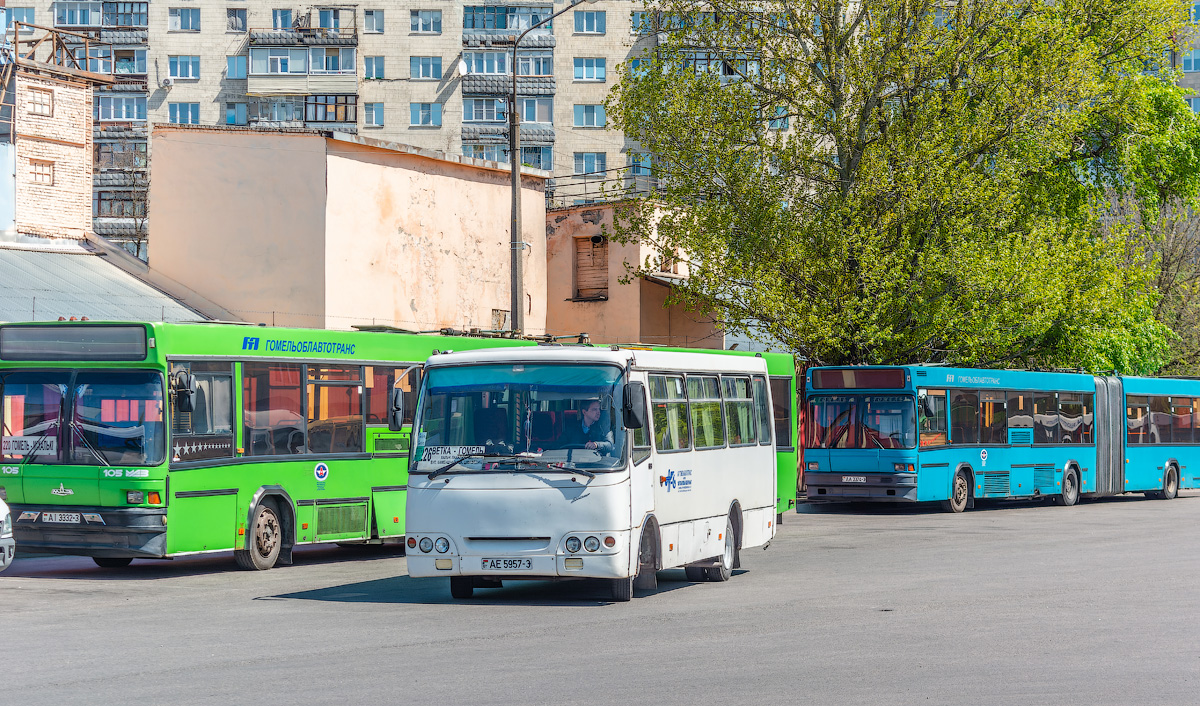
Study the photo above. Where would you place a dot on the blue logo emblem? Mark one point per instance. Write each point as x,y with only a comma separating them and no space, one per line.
250,343
321,472
668,480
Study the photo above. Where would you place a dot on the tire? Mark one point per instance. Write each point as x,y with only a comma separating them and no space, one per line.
647,577
695,574
1070,489
1170,484
724,569
112,562
960,494
462,587
266,539
622,589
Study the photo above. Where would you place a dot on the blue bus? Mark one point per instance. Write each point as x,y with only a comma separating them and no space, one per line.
954,435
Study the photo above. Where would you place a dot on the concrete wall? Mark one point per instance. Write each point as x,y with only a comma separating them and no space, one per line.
239,218
423,243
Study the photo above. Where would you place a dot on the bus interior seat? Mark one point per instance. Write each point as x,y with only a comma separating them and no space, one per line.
490,425
542,429
571,419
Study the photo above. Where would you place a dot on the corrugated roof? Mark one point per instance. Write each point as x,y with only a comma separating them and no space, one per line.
43,286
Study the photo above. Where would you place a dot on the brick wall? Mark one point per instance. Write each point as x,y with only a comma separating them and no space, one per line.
64,139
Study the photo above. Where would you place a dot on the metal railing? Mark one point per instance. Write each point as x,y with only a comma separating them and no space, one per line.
609,185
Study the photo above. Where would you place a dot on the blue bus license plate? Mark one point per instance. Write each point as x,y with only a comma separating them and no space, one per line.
507,564
854,479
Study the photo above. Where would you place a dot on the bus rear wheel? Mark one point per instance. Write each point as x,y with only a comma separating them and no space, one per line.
462,587
1070,489
622,589
112,562
266,539
1170,484
724,568
960,493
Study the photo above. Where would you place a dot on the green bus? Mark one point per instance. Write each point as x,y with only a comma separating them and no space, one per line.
154,440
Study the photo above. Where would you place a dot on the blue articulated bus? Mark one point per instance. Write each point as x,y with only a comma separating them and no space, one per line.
952,435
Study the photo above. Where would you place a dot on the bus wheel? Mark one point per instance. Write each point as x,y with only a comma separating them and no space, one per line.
646,578
723,570
266,539
694,574
959,495
1070,489
462,587
1170,484
622,589
112,562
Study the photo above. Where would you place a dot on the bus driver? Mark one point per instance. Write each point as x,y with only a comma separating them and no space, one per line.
587,433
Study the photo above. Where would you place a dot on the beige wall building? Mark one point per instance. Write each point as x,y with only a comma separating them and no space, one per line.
584,290
300,228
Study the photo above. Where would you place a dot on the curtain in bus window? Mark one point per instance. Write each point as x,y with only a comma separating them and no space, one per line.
335,421
781,400
964,417
931,417
993,417
118,419
669,410
739,411
833,422
1160,420
887,422
1045,418
33,409
1137,419
1070,417
1085,428
1181,420
764,411
273,400
704,398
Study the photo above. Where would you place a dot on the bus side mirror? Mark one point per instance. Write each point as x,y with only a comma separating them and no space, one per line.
396,410
633,406
185,390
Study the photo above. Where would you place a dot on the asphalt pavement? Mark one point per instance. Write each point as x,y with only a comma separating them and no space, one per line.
1017,603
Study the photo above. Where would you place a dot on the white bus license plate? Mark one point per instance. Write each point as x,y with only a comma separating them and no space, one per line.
508,564
65,518
854,479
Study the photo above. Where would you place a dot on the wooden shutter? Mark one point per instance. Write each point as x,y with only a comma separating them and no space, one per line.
591,268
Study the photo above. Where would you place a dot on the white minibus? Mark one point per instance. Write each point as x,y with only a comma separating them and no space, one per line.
579,462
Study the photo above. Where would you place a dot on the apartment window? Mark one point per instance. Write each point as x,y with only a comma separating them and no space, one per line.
184,66
486,62
500,17
235,66
1191,60
641,22
41,172
120,108
373,21
590,162
235,114
429,114
537,157
41,102
235,19
279,61
330,19
589,69
280,110
118,204
494,153
281,19
426,21
183,19
330,109
77,14
589,21
97,59
780,121
184,113
429,67
1194,104
331,60
125,14
640,164
20,14
479,110
373,114
535,63
537,110
589,116
373,67
129,61
120,155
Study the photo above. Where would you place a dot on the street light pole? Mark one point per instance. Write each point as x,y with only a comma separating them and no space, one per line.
516,244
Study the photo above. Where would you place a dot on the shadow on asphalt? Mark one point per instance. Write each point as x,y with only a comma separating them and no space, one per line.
933,508
436,591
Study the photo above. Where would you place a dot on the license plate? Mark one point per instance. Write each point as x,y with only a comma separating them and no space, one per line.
65,518
507,564
854,479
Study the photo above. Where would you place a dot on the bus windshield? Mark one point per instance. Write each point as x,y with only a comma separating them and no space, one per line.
90,418
551,414
862,422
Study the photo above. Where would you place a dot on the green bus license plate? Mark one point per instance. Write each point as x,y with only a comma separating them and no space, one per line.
63,518
507,564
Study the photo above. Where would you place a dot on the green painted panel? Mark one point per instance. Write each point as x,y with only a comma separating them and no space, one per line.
202,524
389,512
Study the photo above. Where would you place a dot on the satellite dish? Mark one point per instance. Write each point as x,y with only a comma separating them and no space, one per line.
462,67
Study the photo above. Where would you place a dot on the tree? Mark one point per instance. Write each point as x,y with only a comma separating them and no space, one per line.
908,181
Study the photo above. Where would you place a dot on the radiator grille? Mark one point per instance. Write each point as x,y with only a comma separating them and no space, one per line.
995,483
1043,478
342,519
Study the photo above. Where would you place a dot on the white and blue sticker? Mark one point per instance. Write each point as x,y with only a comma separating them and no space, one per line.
321,473
678,481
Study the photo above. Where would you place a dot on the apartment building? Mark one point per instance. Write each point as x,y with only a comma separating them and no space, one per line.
428,73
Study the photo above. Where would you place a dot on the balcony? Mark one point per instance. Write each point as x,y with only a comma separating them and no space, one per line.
304,37
279,71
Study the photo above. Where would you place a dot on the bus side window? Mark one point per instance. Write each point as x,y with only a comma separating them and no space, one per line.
964,417
1137,416
669,409
1085,428
273,400
1160,420
931,419
212,412
739,410
1070,417
704,399
781,400
993,424
379,382
763,407
641,440
1045,418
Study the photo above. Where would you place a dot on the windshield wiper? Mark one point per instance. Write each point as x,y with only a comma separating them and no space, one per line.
569,469
32,452
83,437
446,468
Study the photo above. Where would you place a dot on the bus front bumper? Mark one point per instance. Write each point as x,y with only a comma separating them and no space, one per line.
541,567
135,532
8,549
861,487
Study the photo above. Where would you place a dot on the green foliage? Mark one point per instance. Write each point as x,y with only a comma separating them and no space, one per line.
938,192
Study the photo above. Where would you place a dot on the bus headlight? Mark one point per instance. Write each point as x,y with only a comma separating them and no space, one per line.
6,525
426,544
135,497
442,545
591,544
573,544
901,468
